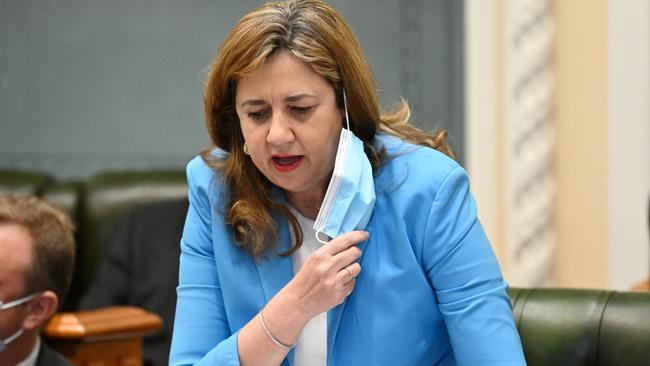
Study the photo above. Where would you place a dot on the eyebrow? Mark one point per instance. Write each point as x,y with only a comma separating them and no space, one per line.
291,98
253,102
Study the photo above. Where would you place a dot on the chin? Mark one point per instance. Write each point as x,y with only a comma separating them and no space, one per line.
289,187
286,183
292,185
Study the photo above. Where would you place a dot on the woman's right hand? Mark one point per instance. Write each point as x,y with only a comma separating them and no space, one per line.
327,277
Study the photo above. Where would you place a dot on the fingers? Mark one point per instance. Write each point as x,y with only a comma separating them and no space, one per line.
349,273
349,286
355,269
345,241
346,257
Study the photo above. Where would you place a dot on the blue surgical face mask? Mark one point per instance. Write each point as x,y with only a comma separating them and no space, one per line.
350,195
19,332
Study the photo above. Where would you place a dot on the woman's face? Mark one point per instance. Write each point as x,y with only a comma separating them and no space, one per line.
291,124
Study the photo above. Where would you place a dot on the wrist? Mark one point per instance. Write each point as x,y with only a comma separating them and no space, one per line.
284,317
274,339
291,300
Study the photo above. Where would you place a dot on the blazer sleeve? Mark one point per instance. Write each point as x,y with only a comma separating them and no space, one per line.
201,332
467,280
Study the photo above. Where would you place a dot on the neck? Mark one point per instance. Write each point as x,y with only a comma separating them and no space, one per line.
308,204
18,350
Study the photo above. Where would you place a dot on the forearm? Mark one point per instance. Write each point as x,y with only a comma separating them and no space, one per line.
320,284
284,319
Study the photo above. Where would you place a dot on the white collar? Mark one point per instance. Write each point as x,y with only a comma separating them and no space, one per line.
33,356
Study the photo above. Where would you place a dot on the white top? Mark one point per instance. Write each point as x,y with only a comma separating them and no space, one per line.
311,345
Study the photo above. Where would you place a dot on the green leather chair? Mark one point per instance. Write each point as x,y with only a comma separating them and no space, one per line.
22,182
107,198
570,327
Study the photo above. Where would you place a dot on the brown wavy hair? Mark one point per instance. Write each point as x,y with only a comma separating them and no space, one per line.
315,33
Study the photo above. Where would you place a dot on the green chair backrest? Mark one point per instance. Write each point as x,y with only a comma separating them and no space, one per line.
570,327
23,183
108,196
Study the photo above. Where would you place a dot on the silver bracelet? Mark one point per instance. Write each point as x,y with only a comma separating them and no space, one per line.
275,340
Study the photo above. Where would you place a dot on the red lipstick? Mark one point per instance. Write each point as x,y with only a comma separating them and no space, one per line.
286,163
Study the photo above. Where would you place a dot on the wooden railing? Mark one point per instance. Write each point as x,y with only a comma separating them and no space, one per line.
109,336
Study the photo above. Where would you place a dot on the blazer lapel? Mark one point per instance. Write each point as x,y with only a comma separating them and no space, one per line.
276,271
334,315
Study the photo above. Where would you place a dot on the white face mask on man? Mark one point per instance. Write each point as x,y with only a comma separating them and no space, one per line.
350,196
19,332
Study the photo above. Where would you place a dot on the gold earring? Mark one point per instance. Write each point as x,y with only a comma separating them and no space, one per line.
246,149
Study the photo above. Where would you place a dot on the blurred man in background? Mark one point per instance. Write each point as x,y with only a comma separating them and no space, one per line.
36,263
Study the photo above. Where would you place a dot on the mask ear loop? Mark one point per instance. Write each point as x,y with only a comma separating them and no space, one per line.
11,338
347,124
319,239
345,106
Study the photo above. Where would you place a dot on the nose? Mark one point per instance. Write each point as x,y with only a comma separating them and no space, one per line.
280,132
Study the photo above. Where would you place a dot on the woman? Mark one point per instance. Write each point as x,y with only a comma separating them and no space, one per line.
321,231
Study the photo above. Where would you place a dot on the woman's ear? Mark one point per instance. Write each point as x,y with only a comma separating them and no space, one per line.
40,309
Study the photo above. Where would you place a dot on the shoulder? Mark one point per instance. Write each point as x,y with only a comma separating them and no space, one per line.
49,357
414,168
205,181
199,172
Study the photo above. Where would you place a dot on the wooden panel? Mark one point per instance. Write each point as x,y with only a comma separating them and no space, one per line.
104,337
118,352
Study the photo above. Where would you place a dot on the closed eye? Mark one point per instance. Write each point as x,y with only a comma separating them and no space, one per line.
302,110
257,115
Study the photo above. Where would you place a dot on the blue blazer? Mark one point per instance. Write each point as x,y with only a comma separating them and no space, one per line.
430,291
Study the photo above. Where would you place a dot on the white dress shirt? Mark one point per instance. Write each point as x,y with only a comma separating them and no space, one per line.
311,345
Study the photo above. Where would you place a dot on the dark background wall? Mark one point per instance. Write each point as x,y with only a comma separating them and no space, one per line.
96,85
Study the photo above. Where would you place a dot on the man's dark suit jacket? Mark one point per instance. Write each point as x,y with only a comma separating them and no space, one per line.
49,357
141,269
